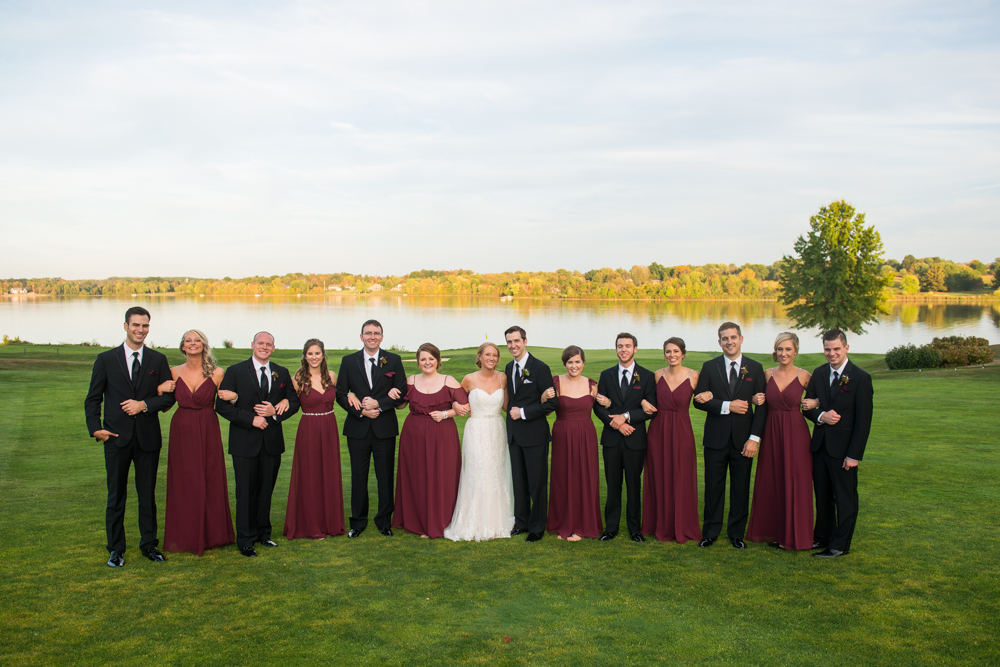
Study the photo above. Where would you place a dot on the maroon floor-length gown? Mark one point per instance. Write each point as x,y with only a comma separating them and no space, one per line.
782,509
316,488
198,515
430,463
575,489
670,479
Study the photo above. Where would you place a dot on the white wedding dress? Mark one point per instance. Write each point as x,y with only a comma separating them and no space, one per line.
484,509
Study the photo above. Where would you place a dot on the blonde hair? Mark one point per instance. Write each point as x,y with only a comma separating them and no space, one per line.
482,348
208,362
782,337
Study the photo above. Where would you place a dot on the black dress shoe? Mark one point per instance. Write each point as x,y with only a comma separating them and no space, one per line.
268,543
707,542
829,553
637,537
387,531
819,545
249,552
738,543
534,537
517,531
153,554
117,559
355,532
608,535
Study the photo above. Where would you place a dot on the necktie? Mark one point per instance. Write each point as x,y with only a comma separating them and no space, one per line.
624,382
517,374
135,370
733,375
264,386
836,376
371,372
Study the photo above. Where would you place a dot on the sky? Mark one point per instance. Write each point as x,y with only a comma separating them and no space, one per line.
219,139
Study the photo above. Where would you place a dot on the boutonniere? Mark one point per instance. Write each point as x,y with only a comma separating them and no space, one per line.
636,376
381,361
745,374
274,376
844,380
525,373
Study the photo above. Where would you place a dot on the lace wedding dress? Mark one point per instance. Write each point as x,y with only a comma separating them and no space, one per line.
485,506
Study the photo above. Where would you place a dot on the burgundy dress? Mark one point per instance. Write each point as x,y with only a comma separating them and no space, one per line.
670,479
575,491
782,509
198,515
430,463
315,491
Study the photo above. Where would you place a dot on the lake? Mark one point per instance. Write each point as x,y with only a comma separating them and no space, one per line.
452,322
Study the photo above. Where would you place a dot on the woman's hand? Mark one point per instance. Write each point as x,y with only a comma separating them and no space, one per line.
703,397
603,400
394,393
167,387
810,403
548,393
758,399
648,407
281,407
439,415
353,401
227,395
460,409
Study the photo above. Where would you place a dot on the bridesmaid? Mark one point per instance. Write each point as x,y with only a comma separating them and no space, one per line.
574,494
670,484
315,491
198,515
782,510
430,457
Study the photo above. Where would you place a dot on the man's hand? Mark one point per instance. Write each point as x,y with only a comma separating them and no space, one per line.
264,409
830,417
369,403
850,463
703,397
750,449
103,435
260,422
132,408
617,421
515,413
739,407
282,406
626,429
371,413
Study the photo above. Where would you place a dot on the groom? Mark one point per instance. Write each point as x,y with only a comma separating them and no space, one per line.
528,435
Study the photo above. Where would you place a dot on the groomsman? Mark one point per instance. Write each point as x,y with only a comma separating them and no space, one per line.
363,385
256,441
528,435
732,434
623,440
125,380
843,418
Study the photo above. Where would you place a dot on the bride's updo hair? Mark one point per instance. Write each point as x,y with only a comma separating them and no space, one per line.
431,349
482,348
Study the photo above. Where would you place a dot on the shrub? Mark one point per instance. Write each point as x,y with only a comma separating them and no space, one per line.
228,344
911,356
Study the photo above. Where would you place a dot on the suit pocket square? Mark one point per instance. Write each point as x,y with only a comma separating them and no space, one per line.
389,375
281,386
526,381
154,372
845,390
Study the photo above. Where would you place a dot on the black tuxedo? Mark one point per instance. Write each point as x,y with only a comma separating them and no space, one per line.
256,453
371,438
725,436
138,438
528,442
837,489
624,455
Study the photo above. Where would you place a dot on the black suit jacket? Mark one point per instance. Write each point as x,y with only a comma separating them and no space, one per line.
244,439
353,377
110,384
642,386
533,430
852,398
719,427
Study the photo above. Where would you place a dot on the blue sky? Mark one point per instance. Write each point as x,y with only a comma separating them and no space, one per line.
220,138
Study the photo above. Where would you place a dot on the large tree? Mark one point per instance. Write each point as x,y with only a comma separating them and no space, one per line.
836,279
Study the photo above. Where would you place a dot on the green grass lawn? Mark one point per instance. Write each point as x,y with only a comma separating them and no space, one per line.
920,586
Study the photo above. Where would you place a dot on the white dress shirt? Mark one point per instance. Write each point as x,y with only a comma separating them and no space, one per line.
522,363
270,380
725,404
368,366
631,376
840,371
128,357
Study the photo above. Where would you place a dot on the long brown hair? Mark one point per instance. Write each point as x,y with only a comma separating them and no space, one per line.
303,376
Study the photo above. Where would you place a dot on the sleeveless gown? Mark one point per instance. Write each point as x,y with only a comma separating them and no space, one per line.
315,490
575,490
198,515
670,484
782,509
430,463
484,509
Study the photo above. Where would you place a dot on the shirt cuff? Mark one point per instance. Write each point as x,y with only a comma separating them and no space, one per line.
522,412
725,408
755,438
850,459
820,417
628,417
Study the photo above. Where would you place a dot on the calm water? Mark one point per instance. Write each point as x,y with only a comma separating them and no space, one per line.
452,322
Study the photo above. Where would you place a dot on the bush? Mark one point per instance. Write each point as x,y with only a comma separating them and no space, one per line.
911,356
960,341
946,351
228,344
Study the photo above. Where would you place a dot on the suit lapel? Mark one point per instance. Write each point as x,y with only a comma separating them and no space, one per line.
723,367
378,372
143,366
120,355
827,371
254,378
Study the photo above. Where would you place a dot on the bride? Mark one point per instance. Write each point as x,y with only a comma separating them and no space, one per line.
485,506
